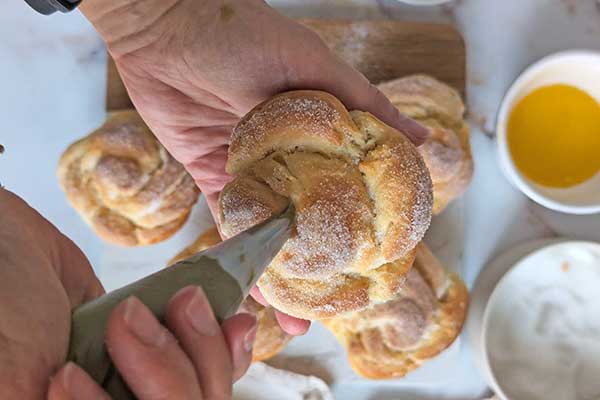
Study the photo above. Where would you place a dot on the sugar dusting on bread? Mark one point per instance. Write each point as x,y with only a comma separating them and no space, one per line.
400,188
390,339
320,246
421,96
245,202
329,230
306,146
129,138
421,217
314,116
447,151
338,293
313,113
441,159
125,184
242,210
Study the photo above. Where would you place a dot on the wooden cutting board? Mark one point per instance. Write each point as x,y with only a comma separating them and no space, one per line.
380,49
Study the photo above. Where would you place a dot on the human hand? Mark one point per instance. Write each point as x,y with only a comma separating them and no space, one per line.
43,276
194,358
193,68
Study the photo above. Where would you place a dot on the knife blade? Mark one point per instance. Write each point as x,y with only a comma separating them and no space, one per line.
225,272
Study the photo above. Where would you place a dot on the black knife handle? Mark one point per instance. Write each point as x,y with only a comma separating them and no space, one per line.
48,7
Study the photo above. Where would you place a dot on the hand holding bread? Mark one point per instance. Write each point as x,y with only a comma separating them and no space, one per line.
391,311
192,84
364,200
362,196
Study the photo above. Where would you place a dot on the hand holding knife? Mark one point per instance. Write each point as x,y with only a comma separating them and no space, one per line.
225,272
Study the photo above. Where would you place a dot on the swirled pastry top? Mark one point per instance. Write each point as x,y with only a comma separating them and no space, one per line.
362,195
125,184
447,151
270,338
391,339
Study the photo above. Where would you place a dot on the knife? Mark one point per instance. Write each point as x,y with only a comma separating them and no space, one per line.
226,273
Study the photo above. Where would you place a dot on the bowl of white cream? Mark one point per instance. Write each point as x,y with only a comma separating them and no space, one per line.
541,327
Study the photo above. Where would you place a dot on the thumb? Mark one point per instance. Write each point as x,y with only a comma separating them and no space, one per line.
357,93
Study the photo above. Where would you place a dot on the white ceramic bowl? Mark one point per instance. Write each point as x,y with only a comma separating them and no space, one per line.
568,270
483,288
579,68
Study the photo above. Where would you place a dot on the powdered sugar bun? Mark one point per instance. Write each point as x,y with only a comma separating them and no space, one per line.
391,339
125,184
362,196
447,151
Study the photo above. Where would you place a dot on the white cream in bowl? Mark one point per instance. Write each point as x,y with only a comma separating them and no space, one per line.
541,329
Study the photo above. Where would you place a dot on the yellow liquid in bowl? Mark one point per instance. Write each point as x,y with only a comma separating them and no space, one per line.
554,136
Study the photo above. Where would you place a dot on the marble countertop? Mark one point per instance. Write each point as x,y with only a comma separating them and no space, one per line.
52,83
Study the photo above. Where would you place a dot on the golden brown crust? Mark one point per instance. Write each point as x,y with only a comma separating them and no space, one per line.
361,192
423,96
403,201
270,338
247,202
206,240
125,184
431,269
391,339
447,152
312,120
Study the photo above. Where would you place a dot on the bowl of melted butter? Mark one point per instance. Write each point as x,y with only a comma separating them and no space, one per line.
548,132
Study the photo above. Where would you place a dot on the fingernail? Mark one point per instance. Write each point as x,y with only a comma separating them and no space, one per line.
413,129
143,324
250,337
68,380
200,314
423,132
419,131
78,385
67,376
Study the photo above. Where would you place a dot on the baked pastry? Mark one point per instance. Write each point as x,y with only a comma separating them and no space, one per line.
391,339
206,240
125,184
362,196
447,152
270,338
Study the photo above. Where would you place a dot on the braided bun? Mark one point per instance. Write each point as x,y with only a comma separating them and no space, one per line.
447,152
270,338
391,339
362,196
125,184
